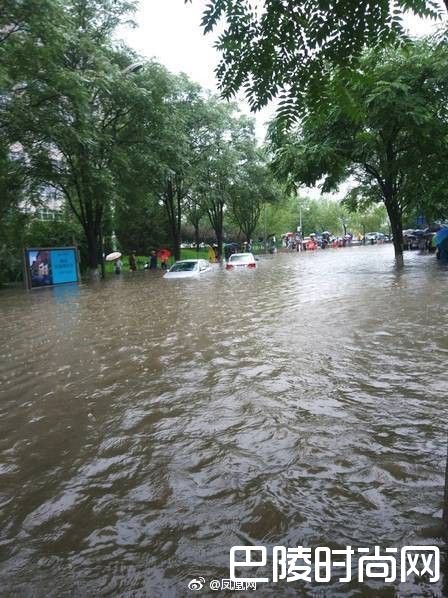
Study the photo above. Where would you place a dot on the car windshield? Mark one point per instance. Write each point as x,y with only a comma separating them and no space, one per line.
241,258
184,267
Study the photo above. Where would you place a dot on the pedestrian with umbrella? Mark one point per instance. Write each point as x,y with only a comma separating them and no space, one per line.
441,241
164,255
115,257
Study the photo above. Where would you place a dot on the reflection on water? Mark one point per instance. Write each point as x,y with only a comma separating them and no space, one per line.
146,425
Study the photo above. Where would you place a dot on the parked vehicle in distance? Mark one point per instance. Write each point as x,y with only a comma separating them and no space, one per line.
187,269
375,237
410,239
241,261
382,238
371,238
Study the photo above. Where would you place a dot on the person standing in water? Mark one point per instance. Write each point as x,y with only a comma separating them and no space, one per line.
164,261
132,262
153,261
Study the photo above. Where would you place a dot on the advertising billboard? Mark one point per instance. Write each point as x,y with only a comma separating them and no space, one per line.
51,266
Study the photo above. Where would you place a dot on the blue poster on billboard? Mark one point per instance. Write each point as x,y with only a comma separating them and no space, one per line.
64,266
51,266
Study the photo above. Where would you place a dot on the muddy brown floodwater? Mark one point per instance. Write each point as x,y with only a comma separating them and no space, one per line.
146,426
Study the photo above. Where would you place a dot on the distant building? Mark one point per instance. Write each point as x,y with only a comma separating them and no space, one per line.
47,203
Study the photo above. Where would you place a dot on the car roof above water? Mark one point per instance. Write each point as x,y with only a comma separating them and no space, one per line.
240,255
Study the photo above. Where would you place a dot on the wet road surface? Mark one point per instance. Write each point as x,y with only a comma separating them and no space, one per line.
146,426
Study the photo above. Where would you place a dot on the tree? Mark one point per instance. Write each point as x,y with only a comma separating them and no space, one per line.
147,182
274,48
225,138
28,39
170,164
12,180
252,189
178,152
74,114
22,24
367,220
194,213
384,126
140,225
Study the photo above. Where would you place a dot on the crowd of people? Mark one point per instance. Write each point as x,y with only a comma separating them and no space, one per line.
152,264
295,242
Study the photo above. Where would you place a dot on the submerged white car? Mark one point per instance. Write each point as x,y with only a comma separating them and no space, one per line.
241,261
187,269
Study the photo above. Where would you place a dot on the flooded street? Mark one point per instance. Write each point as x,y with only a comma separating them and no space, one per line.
146,425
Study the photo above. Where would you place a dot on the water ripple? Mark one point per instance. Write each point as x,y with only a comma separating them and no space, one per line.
146,427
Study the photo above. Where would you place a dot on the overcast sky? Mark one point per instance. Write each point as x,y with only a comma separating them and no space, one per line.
170,31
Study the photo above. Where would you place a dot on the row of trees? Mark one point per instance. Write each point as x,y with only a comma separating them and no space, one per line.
358,100
384,128
132,148
284,215
139,152
319,215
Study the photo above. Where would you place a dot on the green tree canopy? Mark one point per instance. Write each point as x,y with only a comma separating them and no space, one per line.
70,105
385,126
253,187
278,48
227,141
119,138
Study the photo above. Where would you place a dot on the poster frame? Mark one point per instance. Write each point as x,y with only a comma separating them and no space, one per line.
27,270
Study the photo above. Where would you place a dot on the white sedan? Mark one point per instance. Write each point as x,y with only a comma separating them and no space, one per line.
187,269
241,261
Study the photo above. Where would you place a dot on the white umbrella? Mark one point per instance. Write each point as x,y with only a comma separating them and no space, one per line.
113,256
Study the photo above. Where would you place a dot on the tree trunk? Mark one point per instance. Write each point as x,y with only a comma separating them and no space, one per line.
396,224
178,223
101,255
176,245
196,236
220,234
219,241
175,240
92,253
172,203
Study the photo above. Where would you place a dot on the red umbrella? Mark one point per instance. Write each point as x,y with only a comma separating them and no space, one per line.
164,254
